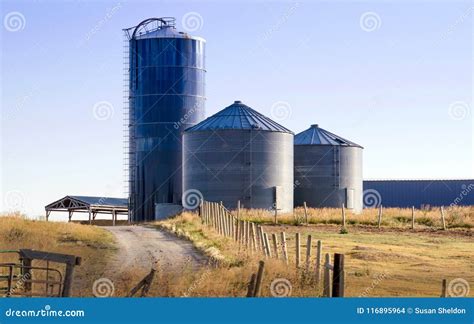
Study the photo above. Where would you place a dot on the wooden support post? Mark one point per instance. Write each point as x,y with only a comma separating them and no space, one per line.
413,217
275,245
380,216
284,247
48,212
327,276
251,285
90,216
319,254
338,276
443,289
443,219
262,240
70,211
343,216
237,229
275,216
298,249
308,252
258,282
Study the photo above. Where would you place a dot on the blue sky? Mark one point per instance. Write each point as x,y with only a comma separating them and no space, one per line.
401,86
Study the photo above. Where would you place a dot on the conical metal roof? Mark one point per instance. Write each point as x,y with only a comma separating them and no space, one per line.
318,136
239,116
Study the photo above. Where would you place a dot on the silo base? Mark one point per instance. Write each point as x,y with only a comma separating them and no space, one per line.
163,211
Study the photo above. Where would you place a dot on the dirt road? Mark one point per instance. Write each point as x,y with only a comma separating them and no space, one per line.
140,247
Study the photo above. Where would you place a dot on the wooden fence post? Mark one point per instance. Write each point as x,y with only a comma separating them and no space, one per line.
443,288
258,283
284,247
238,209
262,240
338,276
443,218
267,245
412,217
308,252
253,241
319,251
275,245
343,216
380,216
305,212
327,276
251,285
298,249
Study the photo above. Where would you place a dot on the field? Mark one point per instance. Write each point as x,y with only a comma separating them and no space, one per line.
391,261
92,243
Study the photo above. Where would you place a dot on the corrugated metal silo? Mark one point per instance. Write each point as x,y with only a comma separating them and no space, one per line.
239,154
166,96
328,170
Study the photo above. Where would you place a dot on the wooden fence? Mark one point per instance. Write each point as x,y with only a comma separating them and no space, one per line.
252,238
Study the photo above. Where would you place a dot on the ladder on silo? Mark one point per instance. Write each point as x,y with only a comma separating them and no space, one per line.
129,163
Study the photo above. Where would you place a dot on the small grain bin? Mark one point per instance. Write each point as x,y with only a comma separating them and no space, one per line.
328,170
239,154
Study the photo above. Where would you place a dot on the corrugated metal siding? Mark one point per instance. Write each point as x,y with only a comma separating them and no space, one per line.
418,193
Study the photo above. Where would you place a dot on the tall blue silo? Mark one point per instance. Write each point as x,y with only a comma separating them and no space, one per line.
166,96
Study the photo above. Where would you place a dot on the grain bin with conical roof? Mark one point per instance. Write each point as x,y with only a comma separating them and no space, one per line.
239,154
328,170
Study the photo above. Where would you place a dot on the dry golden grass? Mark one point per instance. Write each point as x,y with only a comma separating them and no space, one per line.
378,263
93,244
456,217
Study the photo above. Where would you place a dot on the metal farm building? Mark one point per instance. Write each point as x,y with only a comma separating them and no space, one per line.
419,193
328,170
240,155
166,95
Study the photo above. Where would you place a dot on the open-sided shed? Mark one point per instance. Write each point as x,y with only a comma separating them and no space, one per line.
90,205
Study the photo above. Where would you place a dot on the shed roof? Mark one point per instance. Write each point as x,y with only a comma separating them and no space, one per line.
318,136
79,202
239,116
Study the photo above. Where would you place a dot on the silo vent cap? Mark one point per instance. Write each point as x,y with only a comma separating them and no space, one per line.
237,102
315,125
